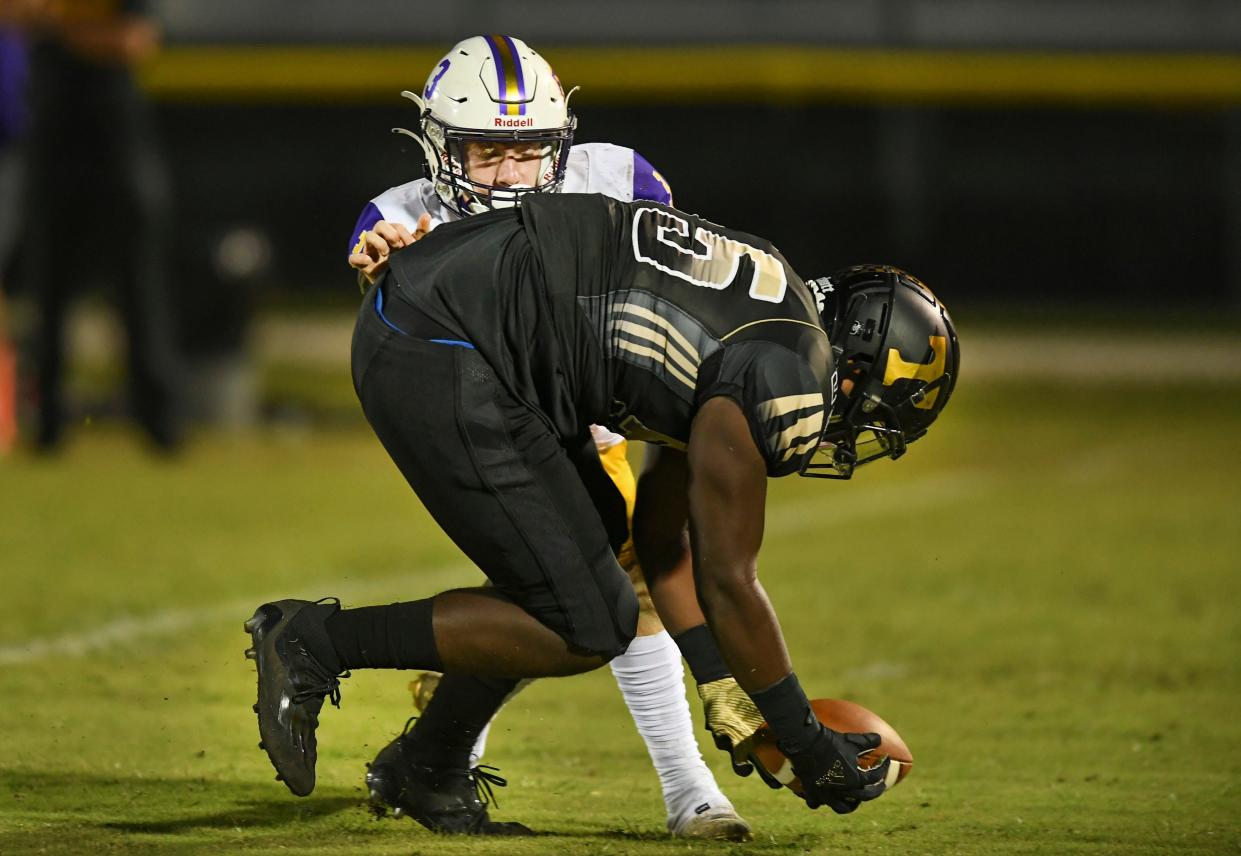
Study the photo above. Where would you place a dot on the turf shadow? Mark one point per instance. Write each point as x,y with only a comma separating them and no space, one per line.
133,804
807,843
248,815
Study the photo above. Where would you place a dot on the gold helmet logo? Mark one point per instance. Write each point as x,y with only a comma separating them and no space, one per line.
898,369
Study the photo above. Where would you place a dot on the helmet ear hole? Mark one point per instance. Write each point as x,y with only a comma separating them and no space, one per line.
851,378
861,367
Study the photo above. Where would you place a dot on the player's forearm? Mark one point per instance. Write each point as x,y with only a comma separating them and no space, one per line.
727,495
673,593
660,539
748,636
744,626
663,554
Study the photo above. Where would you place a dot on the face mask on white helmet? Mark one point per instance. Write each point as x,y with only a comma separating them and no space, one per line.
492,91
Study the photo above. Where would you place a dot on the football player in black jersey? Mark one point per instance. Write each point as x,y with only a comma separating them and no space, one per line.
482,358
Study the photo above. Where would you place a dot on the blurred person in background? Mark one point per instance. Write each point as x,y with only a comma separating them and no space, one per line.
98,202
13,71
13,66
494,126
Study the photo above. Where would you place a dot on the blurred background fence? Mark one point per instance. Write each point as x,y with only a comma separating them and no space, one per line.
1010,151
1071,157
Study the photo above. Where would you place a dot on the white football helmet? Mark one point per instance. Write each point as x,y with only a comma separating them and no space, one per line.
492,88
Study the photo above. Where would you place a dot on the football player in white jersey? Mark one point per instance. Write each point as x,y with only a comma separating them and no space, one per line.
495,125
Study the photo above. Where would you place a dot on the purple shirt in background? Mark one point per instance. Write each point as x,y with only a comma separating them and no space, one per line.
13,62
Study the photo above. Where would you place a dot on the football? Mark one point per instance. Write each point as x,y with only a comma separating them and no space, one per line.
844,716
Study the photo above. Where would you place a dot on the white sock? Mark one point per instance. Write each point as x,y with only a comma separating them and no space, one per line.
652,681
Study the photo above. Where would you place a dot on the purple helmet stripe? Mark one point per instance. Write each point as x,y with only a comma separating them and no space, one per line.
521,80
508,75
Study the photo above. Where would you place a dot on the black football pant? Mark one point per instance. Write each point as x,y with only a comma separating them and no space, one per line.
499,482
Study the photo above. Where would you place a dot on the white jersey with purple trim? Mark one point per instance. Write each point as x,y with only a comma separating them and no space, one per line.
614,171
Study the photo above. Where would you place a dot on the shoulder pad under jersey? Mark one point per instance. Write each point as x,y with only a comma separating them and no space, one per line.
614,171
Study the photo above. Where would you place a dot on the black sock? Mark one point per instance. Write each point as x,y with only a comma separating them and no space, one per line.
310,627
458,712
396,636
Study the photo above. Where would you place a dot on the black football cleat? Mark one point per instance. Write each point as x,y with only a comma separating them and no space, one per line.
450,800
292,686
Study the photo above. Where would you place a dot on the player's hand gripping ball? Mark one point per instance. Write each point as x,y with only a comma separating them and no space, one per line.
845,717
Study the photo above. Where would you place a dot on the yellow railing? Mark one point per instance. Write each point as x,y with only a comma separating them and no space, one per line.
772,73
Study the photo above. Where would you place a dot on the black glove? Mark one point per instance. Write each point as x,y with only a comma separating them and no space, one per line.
829,772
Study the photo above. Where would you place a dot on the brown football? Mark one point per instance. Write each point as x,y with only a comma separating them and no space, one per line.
844,716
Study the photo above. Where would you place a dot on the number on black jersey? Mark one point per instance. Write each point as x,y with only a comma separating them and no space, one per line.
708,259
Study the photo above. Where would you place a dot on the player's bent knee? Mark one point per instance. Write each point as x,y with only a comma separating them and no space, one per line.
604,623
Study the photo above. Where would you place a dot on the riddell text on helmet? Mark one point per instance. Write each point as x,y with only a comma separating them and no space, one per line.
515,122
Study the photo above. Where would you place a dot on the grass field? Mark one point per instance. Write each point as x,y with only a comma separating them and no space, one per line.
1042,598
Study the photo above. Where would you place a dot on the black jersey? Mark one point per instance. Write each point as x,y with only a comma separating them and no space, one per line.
630,315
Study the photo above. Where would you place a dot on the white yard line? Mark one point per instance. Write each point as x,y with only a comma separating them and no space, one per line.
129,629
782,520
